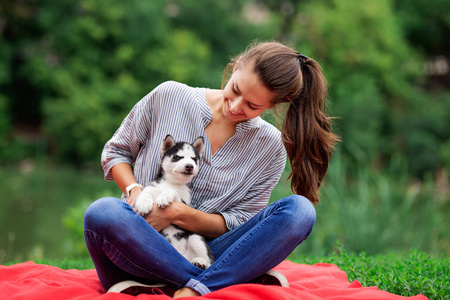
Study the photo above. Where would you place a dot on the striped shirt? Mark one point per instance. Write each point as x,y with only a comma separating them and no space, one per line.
236,181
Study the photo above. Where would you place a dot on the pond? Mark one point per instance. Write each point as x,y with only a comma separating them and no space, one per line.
42,209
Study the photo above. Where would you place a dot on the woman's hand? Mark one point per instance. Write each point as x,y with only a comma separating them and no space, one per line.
160,218
186,217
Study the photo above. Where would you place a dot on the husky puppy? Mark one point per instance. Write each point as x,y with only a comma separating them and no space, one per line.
180,162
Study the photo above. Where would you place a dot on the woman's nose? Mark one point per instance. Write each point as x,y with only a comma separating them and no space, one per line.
236,105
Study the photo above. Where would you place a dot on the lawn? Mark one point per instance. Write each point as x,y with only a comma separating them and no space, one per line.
406,275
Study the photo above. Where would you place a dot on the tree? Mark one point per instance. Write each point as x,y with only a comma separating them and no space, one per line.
83,64
375,80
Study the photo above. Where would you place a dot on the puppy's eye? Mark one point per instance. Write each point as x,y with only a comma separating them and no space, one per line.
194,159
177,158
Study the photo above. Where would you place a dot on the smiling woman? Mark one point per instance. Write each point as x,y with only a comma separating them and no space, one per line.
242,162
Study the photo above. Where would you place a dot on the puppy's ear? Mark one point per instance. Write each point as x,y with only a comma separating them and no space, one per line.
199,145
167,143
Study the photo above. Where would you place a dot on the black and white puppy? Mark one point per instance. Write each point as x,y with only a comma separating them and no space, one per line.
180,163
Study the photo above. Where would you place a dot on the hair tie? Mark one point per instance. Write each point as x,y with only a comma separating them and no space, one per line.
303,58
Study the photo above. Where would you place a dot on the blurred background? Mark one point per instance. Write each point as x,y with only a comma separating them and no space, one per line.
71,70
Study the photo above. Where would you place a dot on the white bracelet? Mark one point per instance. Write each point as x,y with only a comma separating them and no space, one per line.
132,186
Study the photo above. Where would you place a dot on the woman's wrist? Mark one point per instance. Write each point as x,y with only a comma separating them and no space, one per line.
179,213
134,186
136,191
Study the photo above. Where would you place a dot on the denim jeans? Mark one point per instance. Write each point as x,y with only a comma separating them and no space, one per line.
123,246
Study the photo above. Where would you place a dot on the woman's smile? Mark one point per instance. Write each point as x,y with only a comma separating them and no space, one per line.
233,113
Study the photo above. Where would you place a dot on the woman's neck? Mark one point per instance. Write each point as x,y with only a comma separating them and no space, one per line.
220,129
214,99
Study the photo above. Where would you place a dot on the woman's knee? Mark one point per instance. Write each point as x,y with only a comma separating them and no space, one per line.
300,211
102,212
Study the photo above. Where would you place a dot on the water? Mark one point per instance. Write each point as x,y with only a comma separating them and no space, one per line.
36,199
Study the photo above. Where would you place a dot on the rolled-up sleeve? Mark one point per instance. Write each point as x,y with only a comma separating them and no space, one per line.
132,134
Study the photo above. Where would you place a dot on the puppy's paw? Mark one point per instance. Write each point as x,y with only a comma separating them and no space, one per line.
201,263
167,197
144,204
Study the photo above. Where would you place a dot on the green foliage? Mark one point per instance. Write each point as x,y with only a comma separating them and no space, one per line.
426,24
376,79
5,122
423,130
91,61
82,65
131,47
74,245
376,211
76,68
372,71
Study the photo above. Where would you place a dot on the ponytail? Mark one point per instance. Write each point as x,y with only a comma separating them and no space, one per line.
306,130
306,133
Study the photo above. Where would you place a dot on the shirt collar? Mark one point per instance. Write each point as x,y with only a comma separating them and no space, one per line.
249,124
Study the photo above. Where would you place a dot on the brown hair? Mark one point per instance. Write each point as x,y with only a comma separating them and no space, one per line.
306,129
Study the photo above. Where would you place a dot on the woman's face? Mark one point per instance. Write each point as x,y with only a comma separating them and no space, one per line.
244,96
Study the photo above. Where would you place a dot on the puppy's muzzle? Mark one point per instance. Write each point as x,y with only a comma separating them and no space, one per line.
188,169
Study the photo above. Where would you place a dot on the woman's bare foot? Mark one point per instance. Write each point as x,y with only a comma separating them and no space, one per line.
185,292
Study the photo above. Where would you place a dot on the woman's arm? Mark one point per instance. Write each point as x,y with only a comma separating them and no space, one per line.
123,176
205,224
134,132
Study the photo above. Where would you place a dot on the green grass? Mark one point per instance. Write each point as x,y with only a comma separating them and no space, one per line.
406,275
65,264
402,274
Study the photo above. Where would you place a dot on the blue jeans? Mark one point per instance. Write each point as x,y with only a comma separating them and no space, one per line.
123,246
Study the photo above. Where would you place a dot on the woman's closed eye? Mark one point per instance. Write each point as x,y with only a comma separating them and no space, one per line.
234,89
250,105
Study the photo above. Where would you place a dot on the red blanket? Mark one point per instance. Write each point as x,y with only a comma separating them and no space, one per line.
320,281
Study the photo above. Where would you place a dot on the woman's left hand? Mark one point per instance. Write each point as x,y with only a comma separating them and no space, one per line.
160,218
177,213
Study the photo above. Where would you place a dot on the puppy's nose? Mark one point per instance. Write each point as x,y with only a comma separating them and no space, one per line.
189,167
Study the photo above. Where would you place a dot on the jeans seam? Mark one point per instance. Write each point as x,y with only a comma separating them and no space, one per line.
126,259
249,234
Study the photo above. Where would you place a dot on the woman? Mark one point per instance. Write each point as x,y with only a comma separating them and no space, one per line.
243,160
